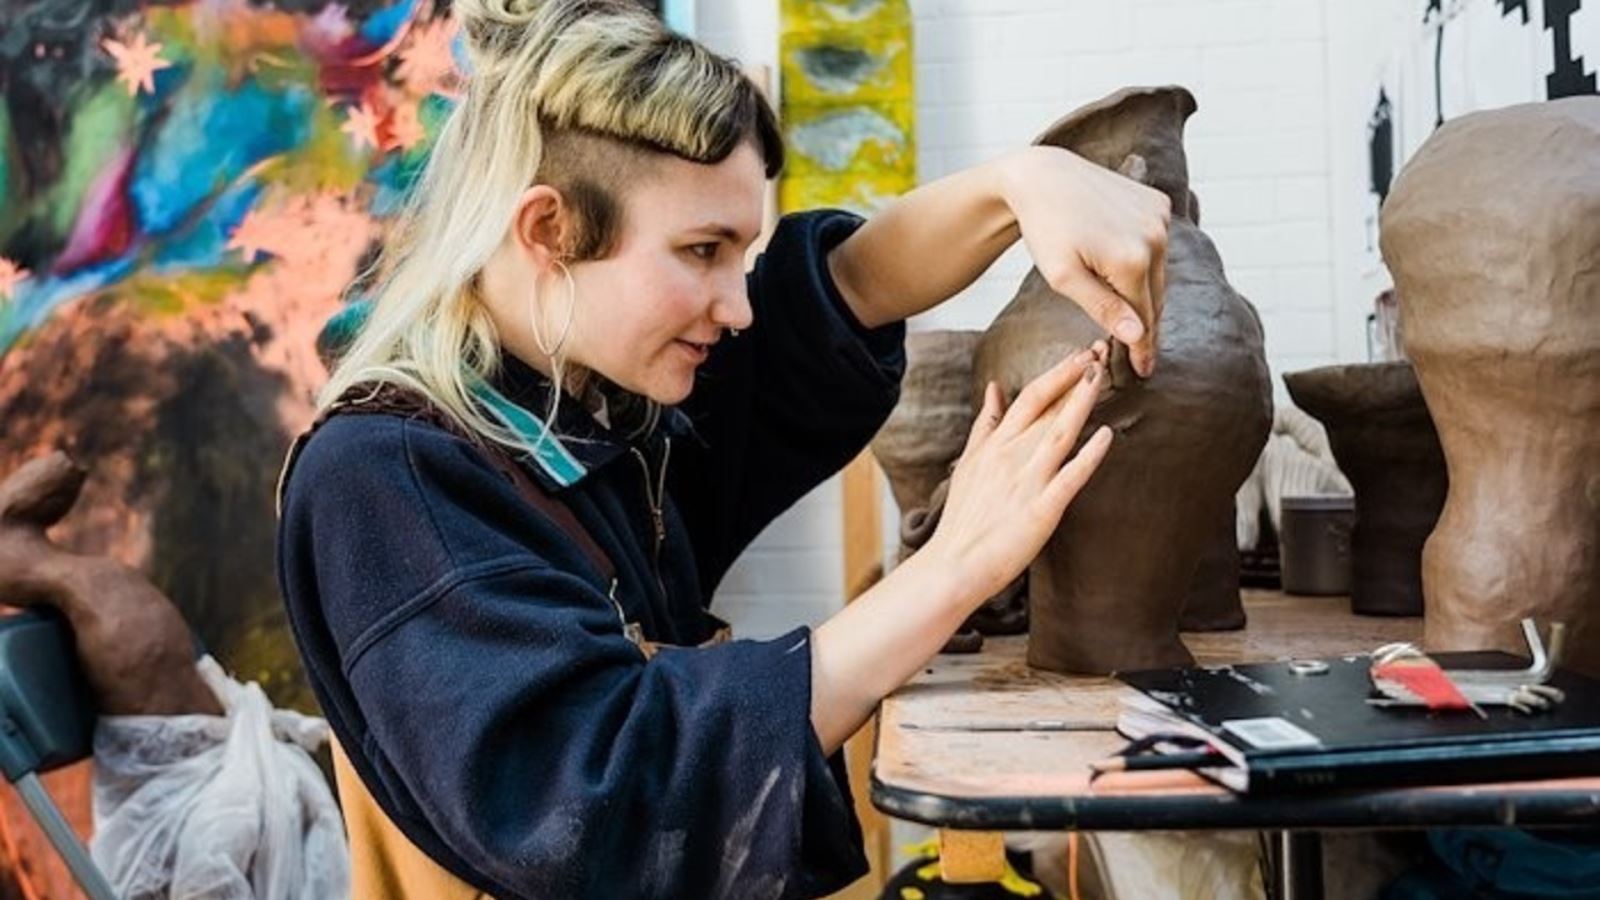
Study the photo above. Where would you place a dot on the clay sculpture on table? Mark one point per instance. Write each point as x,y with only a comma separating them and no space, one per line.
1110,586
1386,444
1490,234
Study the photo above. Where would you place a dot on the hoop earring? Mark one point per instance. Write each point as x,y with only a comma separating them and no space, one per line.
572,308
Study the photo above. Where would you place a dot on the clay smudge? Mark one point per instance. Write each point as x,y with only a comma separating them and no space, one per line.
736,852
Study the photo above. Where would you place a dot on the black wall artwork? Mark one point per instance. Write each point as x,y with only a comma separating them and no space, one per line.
1563,70
1380,145
1568,78
1568,75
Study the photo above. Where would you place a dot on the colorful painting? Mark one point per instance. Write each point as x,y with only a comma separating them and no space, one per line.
186,191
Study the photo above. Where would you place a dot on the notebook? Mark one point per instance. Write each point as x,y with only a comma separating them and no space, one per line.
1285,732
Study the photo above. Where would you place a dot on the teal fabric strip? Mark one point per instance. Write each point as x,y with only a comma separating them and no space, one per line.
545,449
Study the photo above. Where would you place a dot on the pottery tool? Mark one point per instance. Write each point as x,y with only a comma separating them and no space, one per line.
1151,754
1203,759
1035,725
1408,677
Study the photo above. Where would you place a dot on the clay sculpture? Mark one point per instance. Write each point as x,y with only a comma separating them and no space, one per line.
1213,602
1490,234
1385,442
1110,586
928,428
136,650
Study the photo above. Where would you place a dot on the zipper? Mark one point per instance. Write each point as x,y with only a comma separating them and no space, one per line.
656,496
630,630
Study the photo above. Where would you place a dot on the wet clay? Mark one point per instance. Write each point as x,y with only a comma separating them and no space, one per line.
928,428
1385,443
1108,591
135,648
1213,602
1490,234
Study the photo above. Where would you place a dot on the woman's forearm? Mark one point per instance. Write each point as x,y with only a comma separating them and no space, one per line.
881,639
928,245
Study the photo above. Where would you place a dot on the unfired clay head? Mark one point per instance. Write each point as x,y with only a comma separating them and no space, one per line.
1385,443
1108,590
1491,234
928,428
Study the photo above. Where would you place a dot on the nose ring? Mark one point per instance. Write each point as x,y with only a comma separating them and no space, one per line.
733,332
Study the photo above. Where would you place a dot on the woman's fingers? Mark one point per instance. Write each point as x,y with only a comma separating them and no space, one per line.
988,418
1075,474
1104,304
1158,281
1145,362
1043,392
1130,278
1067,422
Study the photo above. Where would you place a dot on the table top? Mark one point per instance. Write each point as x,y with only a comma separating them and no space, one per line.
941,760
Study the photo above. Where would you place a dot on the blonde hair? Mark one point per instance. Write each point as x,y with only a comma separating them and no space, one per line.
578,94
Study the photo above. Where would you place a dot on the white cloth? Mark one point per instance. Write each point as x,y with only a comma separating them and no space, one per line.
1295,462
227,807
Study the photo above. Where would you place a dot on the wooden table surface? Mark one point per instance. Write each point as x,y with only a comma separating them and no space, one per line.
932,766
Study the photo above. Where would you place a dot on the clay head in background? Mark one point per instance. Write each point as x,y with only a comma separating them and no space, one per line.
135,648
1110,586
927,429
1213,602
1386,444
1491,234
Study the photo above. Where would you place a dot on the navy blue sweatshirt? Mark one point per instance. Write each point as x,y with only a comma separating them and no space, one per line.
479,677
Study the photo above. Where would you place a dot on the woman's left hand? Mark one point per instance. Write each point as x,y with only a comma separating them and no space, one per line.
1097,237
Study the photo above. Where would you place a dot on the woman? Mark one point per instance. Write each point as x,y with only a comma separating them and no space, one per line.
516,657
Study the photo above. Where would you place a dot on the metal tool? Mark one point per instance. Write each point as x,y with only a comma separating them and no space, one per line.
1308,667
1035,725
1525,690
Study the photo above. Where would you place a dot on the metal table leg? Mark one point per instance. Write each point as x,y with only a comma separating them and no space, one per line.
1297,865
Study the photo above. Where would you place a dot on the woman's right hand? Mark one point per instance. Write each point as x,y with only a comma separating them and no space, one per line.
1017,474
1007,493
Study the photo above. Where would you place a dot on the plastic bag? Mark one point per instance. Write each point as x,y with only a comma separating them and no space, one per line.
228,807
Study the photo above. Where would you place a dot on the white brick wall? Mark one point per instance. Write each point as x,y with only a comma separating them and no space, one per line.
992,75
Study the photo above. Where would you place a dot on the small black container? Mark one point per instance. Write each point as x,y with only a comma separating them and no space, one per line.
1315,544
